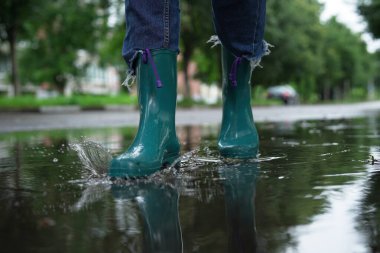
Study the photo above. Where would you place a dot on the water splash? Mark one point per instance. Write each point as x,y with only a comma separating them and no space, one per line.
95,160
94,157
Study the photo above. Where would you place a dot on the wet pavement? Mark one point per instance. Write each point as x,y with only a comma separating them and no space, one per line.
10,122
315,188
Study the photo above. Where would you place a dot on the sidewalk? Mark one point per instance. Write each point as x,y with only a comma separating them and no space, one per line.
10,122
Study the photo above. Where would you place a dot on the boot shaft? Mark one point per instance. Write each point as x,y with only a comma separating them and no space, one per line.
238,136
242,75
159,101
236,98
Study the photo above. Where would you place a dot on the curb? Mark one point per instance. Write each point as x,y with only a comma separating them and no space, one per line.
59,109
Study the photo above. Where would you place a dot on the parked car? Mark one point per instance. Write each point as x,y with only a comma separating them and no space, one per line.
286,93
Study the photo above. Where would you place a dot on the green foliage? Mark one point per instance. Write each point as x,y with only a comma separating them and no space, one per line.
294,29
370,9
346,60
111,43
321,58
14,14
196,30
56,35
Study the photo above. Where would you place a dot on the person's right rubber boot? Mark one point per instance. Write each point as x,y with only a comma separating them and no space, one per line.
155,145
238,137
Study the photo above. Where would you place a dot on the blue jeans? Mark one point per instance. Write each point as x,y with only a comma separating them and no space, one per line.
155,24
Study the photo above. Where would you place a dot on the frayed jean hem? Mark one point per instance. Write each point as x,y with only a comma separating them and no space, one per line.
260,50
131,59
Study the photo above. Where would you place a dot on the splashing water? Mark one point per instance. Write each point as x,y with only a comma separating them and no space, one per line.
94,157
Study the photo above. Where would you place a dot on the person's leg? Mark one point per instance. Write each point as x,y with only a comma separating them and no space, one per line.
150,49
150,24
239,25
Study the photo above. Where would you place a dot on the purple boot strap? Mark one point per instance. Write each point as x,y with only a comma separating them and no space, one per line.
147,57
234,69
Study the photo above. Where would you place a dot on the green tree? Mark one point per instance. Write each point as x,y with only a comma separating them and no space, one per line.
14,16
327,59
293,27
56,36
196,28
370,9
347,62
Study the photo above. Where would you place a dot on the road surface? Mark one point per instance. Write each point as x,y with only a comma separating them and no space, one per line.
11,122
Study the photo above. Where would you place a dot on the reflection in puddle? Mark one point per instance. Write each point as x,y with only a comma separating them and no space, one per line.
157,204
239,197
92,192
158,208
331,230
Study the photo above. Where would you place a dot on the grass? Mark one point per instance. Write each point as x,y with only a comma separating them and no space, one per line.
31,103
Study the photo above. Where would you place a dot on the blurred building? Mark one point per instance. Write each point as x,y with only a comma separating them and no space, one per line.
97,79
200,92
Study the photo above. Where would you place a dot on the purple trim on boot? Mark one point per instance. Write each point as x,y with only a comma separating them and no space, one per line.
147,57
234,69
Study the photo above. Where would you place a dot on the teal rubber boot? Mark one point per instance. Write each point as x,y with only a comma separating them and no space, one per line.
155,145
238,137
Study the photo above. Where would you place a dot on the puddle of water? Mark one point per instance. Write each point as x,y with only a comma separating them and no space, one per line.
314,188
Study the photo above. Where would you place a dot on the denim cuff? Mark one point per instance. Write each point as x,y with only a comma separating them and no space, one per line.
260,49
131,59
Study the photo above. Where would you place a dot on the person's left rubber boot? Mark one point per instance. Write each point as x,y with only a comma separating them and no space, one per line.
238,137
155,145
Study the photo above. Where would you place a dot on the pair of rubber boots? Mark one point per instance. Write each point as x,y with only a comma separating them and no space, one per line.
156,144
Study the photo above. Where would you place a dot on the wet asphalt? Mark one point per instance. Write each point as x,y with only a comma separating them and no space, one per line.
13,122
